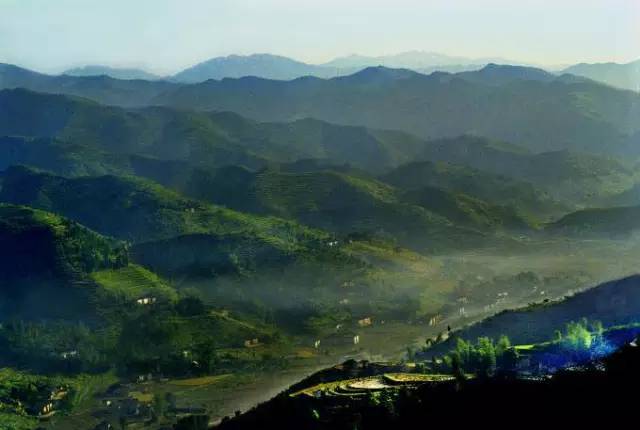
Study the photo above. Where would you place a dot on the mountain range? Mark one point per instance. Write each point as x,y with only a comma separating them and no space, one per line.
269,66
113,72
625,76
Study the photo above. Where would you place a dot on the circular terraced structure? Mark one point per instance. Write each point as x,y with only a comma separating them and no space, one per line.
362,387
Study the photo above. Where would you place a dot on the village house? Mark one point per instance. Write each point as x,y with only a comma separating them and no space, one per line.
47,407
66,355
435,320
365,322
251,343
103,425
146,300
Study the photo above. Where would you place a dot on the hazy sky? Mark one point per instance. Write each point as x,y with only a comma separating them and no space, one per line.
167,35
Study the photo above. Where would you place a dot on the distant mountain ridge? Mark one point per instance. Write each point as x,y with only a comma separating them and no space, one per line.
265,66
498,102
625,76
113,72
416,60
269,66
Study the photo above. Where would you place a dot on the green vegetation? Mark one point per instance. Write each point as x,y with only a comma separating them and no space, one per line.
495,189
619,222
208,249
483,358
133,282
54,244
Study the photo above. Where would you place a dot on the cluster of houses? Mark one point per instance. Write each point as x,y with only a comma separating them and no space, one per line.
146,300
48,406
121,405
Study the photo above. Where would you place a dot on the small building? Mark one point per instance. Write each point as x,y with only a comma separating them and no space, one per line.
365,322
146,300
103,425
435,320
46,408
251,343
67,355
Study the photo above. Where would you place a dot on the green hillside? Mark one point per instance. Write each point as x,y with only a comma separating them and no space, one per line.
139,210
133,282
494,188
569,176
350,204
36,243
612,303
536,114
615,222
466,210
44,262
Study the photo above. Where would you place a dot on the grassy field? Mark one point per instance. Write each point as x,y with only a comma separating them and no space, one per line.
133,282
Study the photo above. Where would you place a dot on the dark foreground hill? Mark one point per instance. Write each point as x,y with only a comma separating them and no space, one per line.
613,303
560,399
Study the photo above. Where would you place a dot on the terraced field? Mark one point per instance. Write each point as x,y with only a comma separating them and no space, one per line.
133,282
361,387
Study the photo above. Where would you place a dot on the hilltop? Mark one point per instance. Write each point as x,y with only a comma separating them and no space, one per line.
494,188
625,76
43,257
613,303
577,177
614,222
113,72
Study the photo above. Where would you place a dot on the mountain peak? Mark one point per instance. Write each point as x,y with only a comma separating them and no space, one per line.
379,74
112,72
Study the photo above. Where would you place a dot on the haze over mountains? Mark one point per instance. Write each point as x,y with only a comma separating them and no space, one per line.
398,99
233,221
269,66
625,76
114,72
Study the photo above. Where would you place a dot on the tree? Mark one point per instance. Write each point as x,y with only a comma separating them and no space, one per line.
486,363
503,345
190,306
159,404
